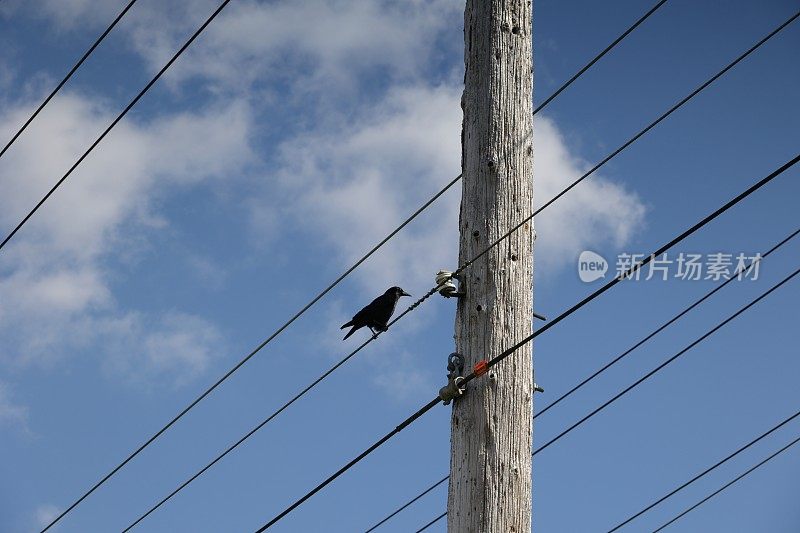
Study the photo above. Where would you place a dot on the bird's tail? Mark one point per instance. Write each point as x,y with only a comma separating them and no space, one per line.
353,330
347,325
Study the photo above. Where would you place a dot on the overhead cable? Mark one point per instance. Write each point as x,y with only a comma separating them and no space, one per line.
66,78
483,366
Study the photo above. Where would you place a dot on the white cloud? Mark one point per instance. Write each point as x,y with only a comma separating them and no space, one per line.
54,284
59,290
402,377
332,39
595,212
352,184
72,14
304,43
11,413
6,74
347,179
45,514
170,348
210,273
117,181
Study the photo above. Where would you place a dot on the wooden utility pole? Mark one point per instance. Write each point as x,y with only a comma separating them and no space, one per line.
490,459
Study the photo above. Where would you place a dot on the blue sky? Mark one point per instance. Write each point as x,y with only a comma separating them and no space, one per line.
289,139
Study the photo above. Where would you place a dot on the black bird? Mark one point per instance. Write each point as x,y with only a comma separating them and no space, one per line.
377,314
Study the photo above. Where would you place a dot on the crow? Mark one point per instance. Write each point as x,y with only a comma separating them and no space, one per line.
377,314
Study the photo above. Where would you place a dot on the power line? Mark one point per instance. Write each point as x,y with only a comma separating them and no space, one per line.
492,362
429,524
665,363
483,366
274,334
52,190
247,435
742,475
665,325
638,135
290,321
698,476
132,2
550,324
603,369
617,151
467,264
299,313
247,358
297,396
608,158
191,39
706,471
601,163
114,123
68,76
405,505
408,310
413,306
598,56
417,497
400,427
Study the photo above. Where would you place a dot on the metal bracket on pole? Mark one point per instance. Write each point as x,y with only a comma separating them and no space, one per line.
537,388
445,285
454,387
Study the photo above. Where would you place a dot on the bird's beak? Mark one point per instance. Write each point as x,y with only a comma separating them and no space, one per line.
404,293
